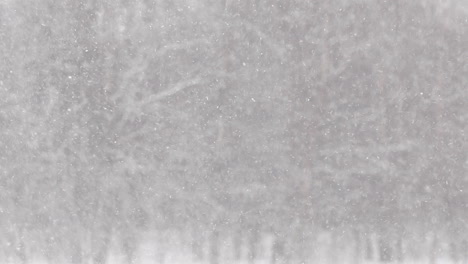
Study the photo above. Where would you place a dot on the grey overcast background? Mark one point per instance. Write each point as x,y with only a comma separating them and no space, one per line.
233,131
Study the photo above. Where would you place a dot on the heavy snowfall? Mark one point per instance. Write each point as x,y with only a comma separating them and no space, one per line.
233,131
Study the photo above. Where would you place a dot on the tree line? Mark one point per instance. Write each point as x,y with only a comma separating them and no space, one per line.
233,120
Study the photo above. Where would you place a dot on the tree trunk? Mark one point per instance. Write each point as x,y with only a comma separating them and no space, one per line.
21,252
129,248
302,253
18,246
197,242
77,252
385,250
253,244
357,246
214,247
369,249
50,250
161,250
399,255
332,251
9,248
454,252
464,252
277,251
101,247
237,245
433,250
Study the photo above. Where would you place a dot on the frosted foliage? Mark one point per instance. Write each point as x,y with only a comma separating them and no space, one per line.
233,132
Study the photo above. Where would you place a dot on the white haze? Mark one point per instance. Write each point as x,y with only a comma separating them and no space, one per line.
233,131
